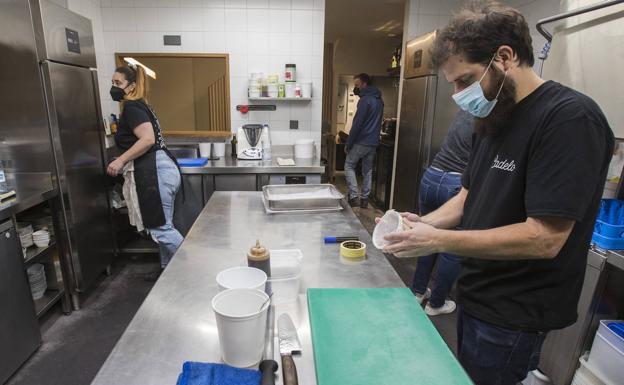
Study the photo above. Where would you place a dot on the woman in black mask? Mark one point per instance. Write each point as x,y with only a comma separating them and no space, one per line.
146,163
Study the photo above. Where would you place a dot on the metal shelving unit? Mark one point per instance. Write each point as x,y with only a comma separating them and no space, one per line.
284,99
50,297
35,254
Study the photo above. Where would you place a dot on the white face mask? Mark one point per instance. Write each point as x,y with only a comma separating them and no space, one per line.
471,99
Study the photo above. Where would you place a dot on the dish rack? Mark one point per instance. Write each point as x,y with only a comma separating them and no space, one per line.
609,227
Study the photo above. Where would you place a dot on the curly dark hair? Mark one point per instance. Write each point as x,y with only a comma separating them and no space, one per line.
479,29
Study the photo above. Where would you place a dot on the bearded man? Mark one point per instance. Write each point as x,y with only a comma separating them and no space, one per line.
529,196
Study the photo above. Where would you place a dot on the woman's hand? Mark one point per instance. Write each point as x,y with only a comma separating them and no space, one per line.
115,167
421,239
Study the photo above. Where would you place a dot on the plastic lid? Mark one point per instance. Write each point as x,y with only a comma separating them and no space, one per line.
391,222
258,252
291,65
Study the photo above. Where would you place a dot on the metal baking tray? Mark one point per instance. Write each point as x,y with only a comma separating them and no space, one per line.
294,197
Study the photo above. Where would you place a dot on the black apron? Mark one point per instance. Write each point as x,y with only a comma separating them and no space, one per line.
146,177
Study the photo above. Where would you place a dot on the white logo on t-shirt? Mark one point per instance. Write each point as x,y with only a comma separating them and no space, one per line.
504,164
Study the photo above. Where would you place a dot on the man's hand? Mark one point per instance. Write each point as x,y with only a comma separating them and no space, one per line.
419,240
115,167
411,217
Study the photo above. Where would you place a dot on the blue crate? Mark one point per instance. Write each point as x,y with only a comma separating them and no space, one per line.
609,227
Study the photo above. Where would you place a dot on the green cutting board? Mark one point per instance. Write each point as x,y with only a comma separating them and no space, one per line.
377,337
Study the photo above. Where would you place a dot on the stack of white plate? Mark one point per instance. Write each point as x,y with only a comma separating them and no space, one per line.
41,238
37,280
25,232
44,223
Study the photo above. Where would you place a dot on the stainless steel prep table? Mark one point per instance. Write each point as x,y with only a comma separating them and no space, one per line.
229,165
176,323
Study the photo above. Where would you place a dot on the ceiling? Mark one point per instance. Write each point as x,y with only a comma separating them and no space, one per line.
363,18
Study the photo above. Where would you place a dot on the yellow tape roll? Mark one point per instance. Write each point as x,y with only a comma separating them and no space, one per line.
352,249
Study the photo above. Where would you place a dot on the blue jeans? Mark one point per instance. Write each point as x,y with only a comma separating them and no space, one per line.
167,237
367,154
436,187
492,355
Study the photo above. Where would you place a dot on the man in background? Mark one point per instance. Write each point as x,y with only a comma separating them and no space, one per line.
363,138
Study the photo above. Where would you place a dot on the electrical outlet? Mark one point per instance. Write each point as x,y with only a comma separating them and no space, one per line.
294,124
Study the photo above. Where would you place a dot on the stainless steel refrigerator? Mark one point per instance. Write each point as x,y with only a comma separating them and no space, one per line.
66,55
427,110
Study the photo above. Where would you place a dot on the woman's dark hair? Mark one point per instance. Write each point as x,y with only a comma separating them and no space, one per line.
479,29
365,78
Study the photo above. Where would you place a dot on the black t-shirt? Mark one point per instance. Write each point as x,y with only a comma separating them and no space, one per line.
134,113
550,160
454,153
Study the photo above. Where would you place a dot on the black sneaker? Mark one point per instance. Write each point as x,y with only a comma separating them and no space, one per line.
354,202
364,203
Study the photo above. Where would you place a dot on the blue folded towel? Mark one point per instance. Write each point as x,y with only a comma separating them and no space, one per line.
199,373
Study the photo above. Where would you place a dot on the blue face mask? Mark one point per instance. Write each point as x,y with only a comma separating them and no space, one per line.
472,100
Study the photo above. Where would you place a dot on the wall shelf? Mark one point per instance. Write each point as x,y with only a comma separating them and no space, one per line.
283,99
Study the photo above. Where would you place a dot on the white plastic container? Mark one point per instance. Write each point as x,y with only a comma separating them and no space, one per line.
204,150
241,322
304,148
218,149
585,374
272,90
607,354
290,90
306,90
391,222
241,277
285,275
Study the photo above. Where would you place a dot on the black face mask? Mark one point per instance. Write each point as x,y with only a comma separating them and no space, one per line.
356,91
117,93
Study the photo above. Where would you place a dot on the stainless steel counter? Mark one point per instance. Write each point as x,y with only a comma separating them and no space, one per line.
176,323
229,165
30,188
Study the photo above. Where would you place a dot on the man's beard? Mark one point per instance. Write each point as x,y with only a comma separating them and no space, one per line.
496,120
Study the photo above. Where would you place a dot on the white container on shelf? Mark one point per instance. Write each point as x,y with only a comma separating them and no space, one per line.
306,90
218,149
254,89
586,375
607,354
272,90
290,90
304,148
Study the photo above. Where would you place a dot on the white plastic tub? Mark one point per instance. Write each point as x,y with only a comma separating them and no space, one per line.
585,374
304,148
607,355
241,277
285,277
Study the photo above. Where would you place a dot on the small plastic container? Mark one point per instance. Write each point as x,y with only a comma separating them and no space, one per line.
607,354
609,227
391,222
241,277
585,374
285,277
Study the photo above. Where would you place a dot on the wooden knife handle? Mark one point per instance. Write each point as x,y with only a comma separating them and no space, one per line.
289,370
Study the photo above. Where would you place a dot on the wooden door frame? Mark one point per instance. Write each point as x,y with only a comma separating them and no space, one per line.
197,133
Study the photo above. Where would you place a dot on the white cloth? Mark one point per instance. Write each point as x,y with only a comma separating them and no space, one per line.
131,197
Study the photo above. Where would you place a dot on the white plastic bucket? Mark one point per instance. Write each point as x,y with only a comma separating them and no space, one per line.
304,148
204,150
219,149
391,222
241,277
241,323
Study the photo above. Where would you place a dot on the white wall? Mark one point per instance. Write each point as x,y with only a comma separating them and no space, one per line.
259,36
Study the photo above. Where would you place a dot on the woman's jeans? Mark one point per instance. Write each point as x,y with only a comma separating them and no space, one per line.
436,188
168,238
367,154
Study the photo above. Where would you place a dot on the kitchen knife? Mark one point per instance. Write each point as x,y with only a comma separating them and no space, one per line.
268,366
289,344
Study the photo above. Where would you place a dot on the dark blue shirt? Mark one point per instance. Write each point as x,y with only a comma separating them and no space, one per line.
367,121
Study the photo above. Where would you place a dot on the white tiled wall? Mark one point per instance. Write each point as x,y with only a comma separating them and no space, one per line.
259,36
